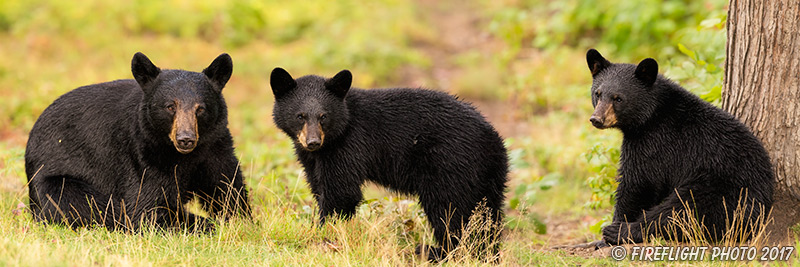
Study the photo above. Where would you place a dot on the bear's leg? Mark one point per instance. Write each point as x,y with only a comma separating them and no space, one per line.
229,200
160,204
720,210
73,202
165,214
660,220
337,194
494,195
195,223
631,199
488,231
225,198
447,215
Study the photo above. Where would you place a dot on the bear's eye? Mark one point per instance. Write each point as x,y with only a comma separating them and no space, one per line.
597,94
200,111
300,117
617,99
323,116
171,108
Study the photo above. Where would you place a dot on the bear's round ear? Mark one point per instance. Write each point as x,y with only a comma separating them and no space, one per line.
340,83
220,70
144,71
596,61
281,82
647,71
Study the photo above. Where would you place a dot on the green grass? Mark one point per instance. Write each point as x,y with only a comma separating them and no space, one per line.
384,232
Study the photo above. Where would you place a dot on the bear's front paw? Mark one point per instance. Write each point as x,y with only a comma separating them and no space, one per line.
621,232
598,244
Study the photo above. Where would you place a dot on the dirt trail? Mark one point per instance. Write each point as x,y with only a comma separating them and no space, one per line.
460,29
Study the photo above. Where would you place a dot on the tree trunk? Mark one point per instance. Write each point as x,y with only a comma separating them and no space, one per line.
762,89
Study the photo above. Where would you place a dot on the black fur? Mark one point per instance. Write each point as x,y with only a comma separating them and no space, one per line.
413,141
102,153
676,147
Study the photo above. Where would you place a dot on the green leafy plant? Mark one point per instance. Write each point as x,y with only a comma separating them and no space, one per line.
700,70
635,28
603,162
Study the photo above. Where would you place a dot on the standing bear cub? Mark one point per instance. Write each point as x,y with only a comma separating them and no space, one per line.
682,159
413,141
129,152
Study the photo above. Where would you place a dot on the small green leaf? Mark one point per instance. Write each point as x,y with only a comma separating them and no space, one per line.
521,189
686,51
513,203
549,180
539,226
588,156
598,227
713,95
711,23
711,68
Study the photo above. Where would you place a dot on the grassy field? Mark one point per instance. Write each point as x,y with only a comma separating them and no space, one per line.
493,53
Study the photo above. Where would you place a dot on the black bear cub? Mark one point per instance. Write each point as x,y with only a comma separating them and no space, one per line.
678,152
129,152
413,141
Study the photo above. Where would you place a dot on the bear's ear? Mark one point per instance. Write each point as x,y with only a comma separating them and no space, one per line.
219,72
647,71
596,61
340,83
143,70
281,82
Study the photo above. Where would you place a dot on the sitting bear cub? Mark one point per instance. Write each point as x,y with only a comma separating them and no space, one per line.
682,159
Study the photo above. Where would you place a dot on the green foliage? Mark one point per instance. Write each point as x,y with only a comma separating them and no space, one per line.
795,230
527,192
637,28
701,68
625,31
603,163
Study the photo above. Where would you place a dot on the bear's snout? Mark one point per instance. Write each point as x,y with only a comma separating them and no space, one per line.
186,142
596,121
311,136
604,116
313,144
184,134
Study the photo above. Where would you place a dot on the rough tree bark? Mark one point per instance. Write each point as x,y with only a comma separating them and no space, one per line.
762,88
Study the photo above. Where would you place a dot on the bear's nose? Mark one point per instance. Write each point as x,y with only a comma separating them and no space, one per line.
186,142
596,121
313,144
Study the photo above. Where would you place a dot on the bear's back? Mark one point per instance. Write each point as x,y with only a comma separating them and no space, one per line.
83,128
395,107
90,103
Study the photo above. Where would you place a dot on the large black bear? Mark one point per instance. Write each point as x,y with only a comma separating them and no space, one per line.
678,151
125,152
413,141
